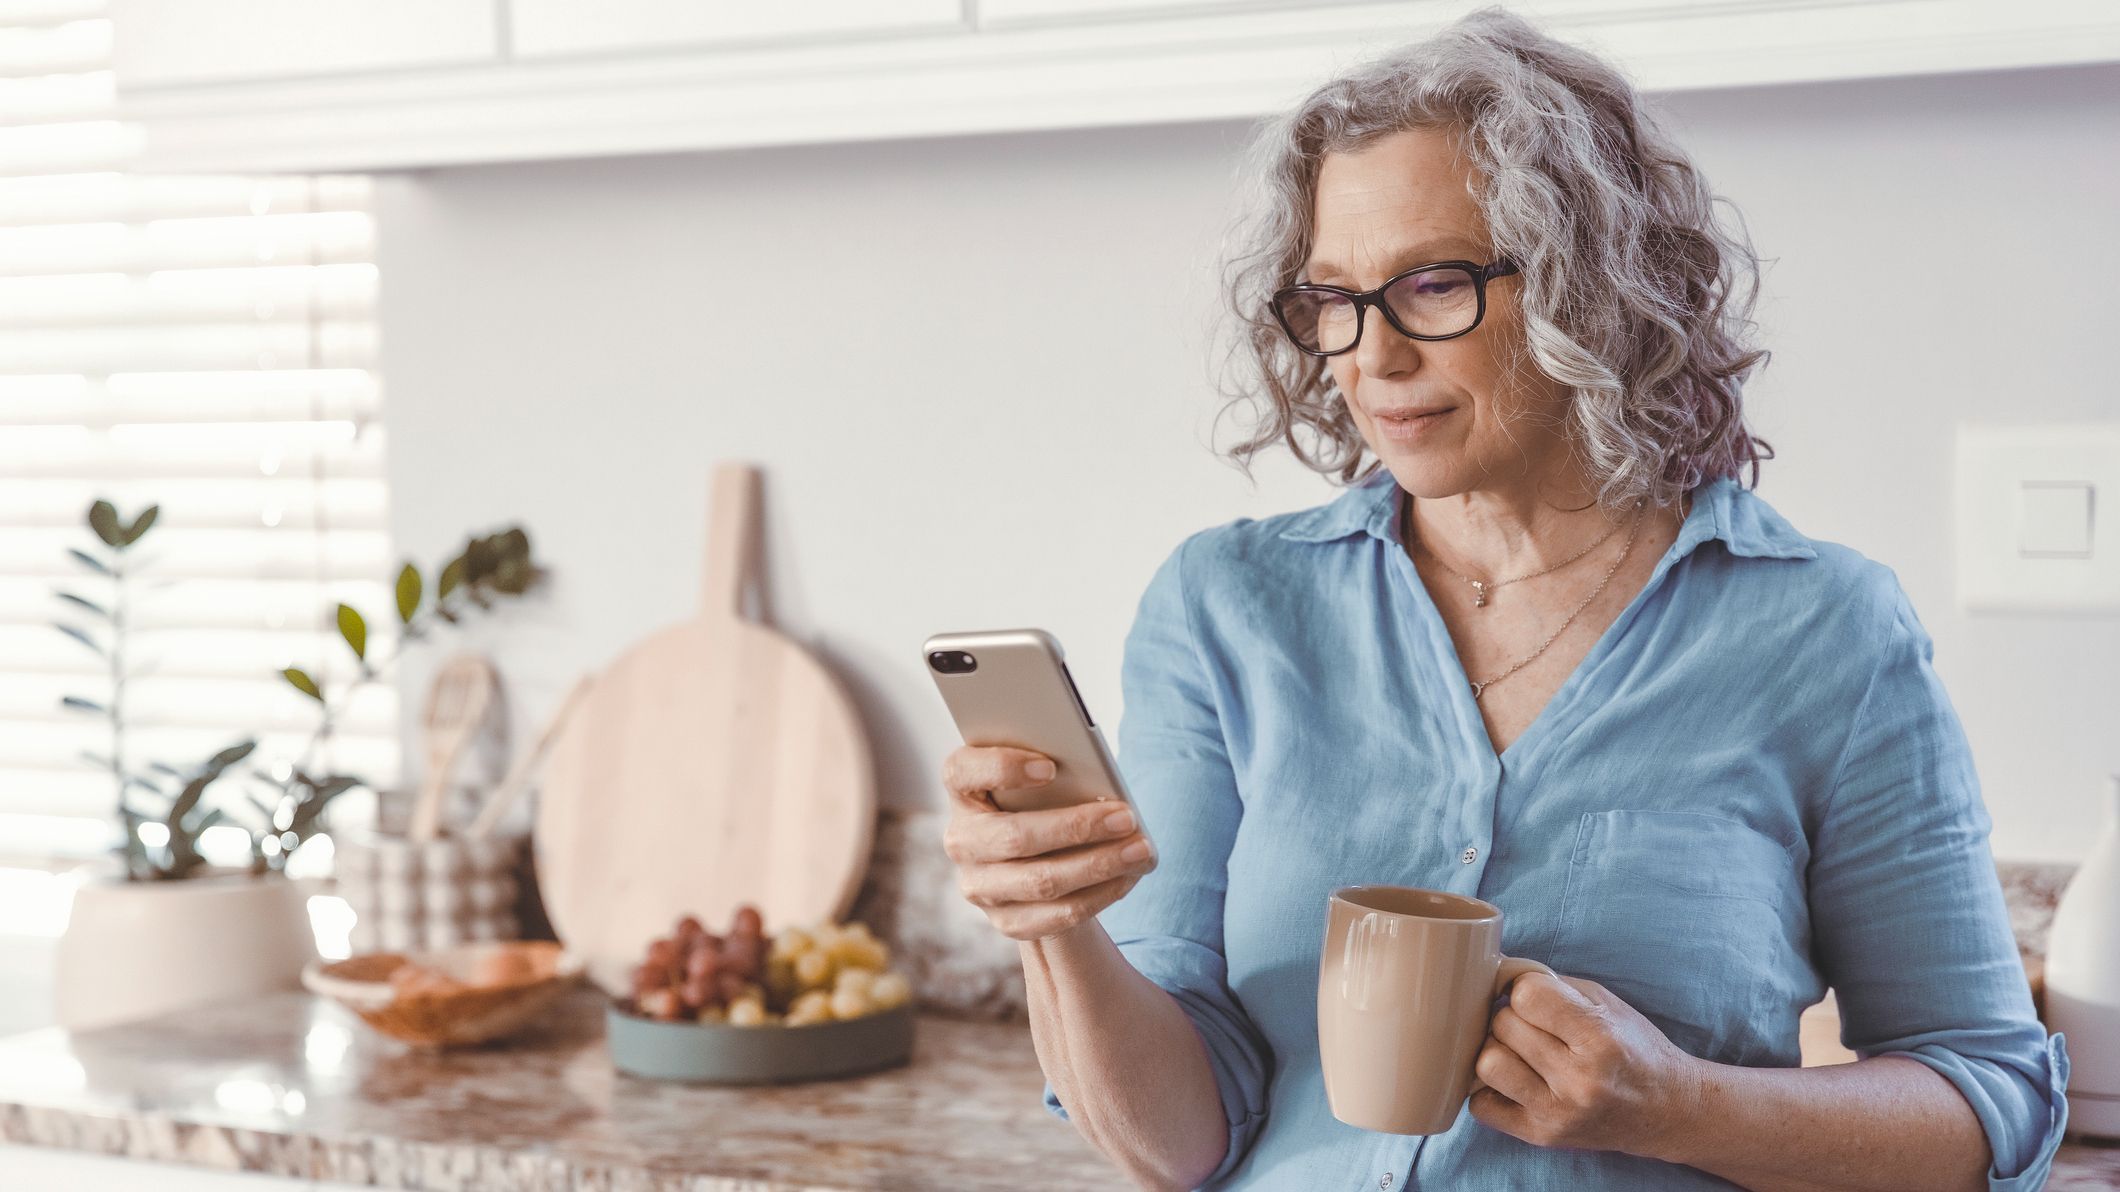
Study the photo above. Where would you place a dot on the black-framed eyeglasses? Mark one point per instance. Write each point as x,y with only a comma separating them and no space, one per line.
1427,302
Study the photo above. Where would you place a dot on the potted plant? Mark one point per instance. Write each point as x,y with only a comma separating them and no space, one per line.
163,926
406,892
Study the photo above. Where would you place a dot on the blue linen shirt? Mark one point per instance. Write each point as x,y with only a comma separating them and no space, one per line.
1752,788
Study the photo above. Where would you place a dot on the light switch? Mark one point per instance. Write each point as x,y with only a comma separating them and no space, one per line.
2054,519
2028,531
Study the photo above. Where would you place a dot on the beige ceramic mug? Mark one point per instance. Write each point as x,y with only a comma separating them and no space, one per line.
1405,987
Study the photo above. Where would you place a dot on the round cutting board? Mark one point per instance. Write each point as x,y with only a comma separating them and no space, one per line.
713,764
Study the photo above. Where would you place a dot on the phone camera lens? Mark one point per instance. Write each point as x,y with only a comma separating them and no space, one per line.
952,662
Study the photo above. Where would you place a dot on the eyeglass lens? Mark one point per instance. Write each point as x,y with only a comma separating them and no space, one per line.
1434,302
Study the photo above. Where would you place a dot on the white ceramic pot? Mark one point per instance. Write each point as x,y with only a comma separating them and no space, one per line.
2083,981
137,949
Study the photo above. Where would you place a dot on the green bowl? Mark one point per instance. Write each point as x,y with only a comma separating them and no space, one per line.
717,1053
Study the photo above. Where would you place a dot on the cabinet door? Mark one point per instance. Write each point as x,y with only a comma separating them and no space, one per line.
995,14
543,28
159,42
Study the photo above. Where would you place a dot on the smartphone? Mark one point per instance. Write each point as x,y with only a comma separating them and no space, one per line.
1012,687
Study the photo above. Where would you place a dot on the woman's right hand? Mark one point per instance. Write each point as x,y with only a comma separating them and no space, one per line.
1036,873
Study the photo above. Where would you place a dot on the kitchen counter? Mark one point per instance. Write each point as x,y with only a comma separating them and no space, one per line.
293,1086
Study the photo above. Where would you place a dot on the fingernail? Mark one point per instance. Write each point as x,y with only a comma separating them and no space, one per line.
1137,851
1119,821
1040,770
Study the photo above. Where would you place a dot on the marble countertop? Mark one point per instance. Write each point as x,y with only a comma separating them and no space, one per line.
2083,1167
293,1086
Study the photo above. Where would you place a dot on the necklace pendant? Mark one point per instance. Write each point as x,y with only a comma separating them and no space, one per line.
1479,599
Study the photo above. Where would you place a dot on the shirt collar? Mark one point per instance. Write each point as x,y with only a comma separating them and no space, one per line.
1722,509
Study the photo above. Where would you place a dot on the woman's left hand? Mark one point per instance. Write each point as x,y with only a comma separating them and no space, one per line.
1567,1063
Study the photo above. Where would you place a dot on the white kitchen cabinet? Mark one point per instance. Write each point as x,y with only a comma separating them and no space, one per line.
543,28
997,14
161,43
574,79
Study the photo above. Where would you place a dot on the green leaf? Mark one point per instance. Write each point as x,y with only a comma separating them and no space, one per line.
512,577
231,755
141,524
188,799
89,561
408,593
78,704
103,519
354,630
303,683
84,602
78,634
452,575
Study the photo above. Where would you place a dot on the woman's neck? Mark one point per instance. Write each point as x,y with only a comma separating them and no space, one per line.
1494,534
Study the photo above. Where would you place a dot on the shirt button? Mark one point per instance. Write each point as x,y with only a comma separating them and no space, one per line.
1385,1182
1469,855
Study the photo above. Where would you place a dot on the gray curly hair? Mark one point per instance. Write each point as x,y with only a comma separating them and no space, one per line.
1632,294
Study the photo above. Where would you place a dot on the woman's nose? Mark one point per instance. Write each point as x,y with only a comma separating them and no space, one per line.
1383,352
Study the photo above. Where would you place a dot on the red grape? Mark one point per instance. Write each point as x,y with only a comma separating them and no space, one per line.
742,954
663,1004
702,964
645,978
748,922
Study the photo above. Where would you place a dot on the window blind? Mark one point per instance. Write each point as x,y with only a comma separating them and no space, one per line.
201,343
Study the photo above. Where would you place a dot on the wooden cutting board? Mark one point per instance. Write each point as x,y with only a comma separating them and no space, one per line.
715,763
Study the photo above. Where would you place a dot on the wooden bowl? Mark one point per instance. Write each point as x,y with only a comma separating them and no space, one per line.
770,1053
536,973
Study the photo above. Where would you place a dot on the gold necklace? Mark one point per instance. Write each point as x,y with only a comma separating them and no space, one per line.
1480,688
1480,588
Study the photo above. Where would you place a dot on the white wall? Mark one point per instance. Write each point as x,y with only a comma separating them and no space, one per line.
974,373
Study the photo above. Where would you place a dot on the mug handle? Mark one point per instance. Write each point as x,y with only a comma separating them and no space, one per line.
1505,975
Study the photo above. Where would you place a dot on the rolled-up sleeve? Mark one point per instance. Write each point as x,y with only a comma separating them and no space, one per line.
1169,926
1908,914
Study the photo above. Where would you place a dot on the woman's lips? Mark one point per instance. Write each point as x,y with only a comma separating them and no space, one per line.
1412,430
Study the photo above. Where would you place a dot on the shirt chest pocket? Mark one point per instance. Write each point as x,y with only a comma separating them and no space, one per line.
1695,919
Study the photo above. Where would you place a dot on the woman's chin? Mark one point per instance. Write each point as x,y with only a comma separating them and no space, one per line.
1427,473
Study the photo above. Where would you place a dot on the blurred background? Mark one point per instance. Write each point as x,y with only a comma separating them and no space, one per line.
338,287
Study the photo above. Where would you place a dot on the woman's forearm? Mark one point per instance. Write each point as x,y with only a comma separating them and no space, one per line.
1884,1123
1124,1058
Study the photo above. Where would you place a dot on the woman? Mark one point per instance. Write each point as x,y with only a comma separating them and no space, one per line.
1546,650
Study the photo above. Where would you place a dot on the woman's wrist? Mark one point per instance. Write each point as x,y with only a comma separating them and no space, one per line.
1065,948
1684,1115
